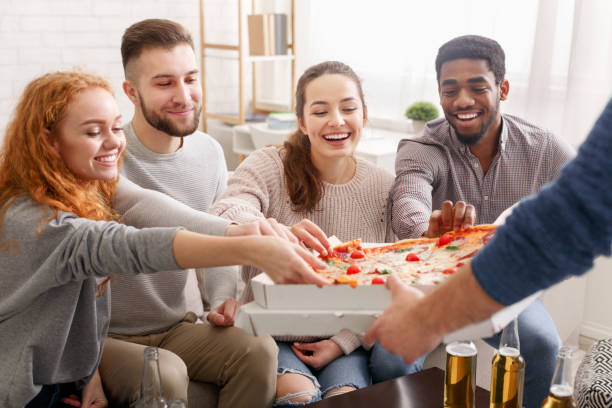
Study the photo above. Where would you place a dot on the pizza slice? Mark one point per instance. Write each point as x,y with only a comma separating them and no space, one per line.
420,261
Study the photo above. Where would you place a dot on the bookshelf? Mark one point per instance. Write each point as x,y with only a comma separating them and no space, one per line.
240,52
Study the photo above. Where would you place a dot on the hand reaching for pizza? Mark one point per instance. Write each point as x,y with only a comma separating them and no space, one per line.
290,263
224,315
311,235
264,226
399,330
450,217
317,355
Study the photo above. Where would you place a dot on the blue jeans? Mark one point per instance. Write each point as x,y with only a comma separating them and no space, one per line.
539,345
346,370
385,366
352,370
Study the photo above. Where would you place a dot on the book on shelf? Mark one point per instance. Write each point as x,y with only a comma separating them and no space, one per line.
267,34
280,34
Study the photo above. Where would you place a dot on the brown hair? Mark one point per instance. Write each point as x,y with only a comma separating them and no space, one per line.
302,178
152,33
30,166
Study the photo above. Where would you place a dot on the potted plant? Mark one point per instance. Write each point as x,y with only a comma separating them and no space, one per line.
420,113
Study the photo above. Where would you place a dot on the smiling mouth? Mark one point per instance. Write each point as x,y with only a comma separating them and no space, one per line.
467,116
107,159
336,137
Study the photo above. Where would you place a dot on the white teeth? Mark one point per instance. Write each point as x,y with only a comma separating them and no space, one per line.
465,116
336,136
108,158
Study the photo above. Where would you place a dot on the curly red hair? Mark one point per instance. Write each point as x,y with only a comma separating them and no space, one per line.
30,166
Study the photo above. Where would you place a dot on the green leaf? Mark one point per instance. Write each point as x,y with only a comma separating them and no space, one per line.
404,249
385,272
452,248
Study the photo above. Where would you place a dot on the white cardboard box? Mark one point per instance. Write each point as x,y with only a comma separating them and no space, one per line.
269,295
305,310
309,297
324,323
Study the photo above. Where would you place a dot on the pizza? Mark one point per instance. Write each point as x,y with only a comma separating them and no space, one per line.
420,261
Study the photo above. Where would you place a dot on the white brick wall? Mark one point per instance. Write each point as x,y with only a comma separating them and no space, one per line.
38,36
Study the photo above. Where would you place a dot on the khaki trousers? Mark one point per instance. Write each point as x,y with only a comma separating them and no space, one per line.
241,365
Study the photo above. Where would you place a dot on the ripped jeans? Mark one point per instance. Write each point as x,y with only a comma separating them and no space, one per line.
356,370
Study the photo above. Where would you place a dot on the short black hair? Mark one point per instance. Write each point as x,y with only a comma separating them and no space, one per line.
474,47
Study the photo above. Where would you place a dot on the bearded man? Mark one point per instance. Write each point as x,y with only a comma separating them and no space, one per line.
167,153
472,165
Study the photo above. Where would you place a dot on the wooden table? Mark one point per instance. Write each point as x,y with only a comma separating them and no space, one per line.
421,390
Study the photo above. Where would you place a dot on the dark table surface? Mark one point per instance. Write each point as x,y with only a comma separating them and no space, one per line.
421,390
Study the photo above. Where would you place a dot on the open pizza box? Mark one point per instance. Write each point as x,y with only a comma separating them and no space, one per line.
305,310
309,297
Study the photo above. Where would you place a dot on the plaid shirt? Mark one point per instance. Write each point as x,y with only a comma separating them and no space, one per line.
436,167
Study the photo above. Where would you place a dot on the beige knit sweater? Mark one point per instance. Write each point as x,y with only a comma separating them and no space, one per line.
357,209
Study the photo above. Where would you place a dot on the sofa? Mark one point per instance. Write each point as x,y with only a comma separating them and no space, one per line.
593,383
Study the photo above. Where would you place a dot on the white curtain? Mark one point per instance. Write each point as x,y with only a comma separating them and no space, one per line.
558,52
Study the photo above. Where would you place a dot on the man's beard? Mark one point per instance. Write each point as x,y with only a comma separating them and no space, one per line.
166,125
471,140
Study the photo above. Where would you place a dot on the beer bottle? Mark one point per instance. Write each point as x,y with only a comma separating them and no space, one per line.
508,371
151,395
561,390
460,375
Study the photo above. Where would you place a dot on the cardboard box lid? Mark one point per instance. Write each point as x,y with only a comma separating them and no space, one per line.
309,297
257,320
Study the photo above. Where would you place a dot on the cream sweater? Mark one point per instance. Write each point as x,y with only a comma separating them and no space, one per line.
357,209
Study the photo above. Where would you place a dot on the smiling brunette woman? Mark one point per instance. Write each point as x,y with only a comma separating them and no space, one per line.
59,243
315,179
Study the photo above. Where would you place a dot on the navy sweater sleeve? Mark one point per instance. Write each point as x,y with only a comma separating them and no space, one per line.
560,231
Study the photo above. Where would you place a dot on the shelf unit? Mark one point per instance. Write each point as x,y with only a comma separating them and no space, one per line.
241,53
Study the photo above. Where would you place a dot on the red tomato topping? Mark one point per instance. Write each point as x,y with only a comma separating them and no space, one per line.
459,264
353,269
412,257
378,281
342,249
448,271
445,239
357,255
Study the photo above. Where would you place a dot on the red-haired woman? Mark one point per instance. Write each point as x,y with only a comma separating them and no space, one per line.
59,241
